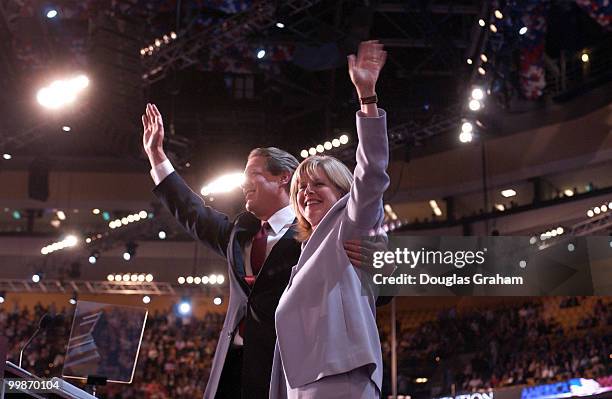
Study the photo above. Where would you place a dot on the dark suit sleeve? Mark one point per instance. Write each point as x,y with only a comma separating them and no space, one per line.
201,221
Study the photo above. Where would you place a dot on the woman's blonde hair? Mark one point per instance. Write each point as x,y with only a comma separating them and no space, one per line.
336,172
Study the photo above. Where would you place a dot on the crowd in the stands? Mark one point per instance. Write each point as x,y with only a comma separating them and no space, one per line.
476,349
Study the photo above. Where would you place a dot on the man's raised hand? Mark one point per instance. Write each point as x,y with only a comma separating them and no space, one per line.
153,135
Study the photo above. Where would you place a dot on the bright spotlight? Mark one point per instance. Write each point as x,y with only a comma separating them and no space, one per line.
181,280
92,259
223,184
312,151
498,14
523,30
110,278
184,307
51,14
71,241
261,53
467,127
304,153
161,235
126,277
66,128
481,71
344,139
7,156
197,280
146,299
493,28
590,213
327,145
320,148
584,57
189,279
149,278
126,256
61,92
220,279
117,277
477,94
280,25
484,57
474,105
212,279
508,193
466,137
217,301
36,278
469,61
481,22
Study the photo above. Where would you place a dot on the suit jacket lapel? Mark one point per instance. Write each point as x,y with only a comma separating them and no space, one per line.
244,230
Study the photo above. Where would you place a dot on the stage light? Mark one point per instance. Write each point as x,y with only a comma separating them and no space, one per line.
173,35
597,210
571,247
212,279
197,280
498,14
484,58
304,153
481,22
327,145
584,57
493,28
106,216
523,30
280,25
143,214
61,92
92,259
7,156
336,143
95,211
2,297
261,53
590,213
161,235
189,279
126,277
435,208
126,256
223,184
500,207
320,148
533,240
158,43
124,221
477,94
51,14
467,127
604,208
469,61
61,215
73,299
343,139
217,301
312,151
481,71
220,279
568,193
134,278
560,230
508,193
181,280
466,137
110,278
149,278
66,128
36,278
146,299
140,278
474,105
204,279
522,264
184,307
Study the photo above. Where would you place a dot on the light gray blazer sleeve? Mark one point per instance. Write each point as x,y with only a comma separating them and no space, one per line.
370,181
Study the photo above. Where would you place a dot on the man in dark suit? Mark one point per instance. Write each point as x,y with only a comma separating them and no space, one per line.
260,249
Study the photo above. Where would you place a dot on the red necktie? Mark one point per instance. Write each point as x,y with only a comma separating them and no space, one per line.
258,257
258,249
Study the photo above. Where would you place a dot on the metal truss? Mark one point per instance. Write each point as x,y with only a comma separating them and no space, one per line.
412,133
87,287
187,50
590,226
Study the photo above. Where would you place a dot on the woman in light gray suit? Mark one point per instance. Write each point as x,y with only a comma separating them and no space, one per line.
327,340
